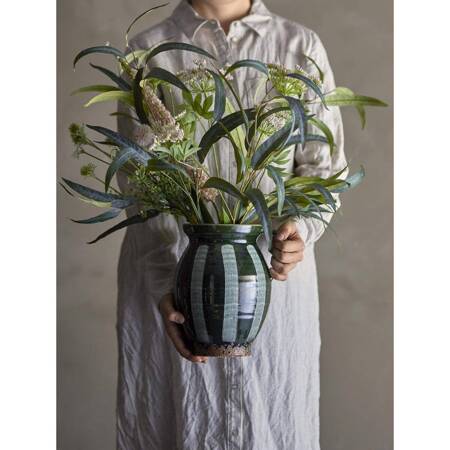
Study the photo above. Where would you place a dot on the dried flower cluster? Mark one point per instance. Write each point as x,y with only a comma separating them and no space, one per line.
162,123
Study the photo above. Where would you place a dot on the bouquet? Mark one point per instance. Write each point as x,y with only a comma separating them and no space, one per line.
165,161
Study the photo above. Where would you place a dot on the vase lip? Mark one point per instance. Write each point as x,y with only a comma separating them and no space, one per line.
250,229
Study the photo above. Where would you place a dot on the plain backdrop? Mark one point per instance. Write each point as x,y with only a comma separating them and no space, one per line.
355,260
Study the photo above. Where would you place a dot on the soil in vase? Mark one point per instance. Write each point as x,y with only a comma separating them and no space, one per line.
223,288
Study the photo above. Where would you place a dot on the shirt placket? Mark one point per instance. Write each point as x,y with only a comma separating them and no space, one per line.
233,366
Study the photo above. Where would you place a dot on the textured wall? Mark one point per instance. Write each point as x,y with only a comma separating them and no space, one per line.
355,265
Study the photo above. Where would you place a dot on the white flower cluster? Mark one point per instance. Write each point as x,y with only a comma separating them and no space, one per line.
198,79
274,122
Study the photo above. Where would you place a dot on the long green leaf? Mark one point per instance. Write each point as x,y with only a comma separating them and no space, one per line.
164,75
325,194
122,142
98,49
120,96
259,202
219,96
138,97
114,77
279,183
299,115
95,88
249,63
310,83
167,46
99,197
219,130
125,223
122,157
296,139
321,74
323,127
207,217
342,96
351,181
108,215
161,164
139,17
273,143
225,186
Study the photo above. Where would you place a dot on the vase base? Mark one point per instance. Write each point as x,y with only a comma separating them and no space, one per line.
221,350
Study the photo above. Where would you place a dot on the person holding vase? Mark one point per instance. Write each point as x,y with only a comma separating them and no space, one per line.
169,398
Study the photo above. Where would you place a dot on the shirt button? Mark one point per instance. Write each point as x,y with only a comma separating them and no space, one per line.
234,40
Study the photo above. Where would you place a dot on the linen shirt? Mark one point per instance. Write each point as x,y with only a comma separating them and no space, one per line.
270,400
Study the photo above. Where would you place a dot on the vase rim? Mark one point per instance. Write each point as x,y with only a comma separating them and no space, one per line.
249,229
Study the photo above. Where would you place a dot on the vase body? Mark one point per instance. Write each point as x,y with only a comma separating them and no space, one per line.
223,288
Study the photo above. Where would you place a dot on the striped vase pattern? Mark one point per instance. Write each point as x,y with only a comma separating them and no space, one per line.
222,288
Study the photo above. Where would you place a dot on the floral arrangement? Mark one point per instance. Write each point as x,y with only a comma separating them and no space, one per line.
165,163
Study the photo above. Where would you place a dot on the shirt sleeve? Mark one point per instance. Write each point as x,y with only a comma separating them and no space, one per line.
159,244
315,159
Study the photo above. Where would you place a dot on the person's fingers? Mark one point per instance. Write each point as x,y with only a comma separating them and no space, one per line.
277,276
168,311
282,269
171,318
285,257
177,338
291,245
286,230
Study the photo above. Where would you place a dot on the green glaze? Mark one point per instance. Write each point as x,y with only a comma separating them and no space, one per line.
223,286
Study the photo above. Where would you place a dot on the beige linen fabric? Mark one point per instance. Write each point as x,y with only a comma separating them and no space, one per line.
269,401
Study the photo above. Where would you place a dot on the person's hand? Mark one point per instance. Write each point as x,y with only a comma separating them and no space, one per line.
287,250
172,318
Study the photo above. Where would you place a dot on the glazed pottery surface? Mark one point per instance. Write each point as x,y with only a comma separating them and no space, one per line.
222,288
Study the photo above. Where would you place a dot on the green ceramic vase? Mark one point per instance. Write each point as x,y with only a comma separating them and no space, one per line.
222,288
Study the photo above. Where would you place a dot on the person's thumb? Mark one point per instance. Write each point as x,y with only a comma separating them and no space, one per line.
169,312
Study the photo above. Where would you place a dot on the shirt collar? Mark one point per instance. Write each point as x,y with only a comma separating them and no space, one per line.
190,21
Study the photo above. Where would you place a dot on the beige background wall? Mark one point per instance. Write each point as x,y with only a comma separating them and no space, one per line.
355,268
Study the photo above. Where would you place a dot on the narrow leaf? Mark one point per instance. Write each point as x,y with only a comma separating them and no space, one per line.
120,96
161,164
219,96
122,141
167,46
95,88
351,181
271,144
114,77
225,186
325,194
164,75
310,83
296,139
138,97
259,202
321,74
98,49
279,183
250,63
139,17
122,157
108,215
323,127
99,198
342,96
299,115
125,223
219,130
